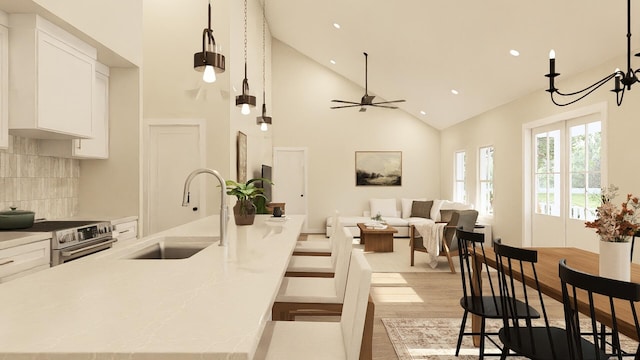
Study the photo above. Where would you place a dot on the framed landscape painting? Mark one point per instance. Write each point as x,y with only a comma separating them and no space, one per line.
378,168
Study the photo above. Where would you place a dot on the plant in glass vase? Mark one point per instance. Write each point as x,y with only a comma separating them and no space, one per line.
615,225
245,210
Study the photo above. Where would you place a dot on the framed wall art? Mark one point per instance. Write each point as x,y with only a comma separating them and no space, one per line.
378,168
242,157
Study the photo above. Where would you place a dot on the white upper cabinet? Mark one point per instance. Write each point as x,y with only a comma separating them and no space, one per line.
4,82
51,80
98,146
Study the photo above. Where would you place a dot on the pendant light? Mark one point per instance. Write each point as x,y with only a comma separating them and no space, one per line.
264,120
245,101
208,61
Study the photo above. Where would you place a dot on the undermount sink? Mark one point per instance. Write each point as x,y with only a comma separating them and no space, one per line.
175,247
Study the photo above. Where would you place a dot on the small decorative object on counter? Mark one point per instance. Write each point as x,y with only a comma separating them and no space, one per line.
277,212
245,211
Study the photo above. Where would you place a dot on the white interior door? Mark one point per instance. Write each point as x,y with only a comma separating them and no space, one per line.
175,148
290,179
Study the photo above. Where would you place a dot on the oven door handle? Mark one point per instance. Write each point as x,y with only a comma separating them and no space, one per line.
73,252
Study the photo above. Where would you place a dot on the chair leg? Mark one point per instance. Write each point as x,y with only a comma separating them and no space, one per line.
464,322
449,258
482,323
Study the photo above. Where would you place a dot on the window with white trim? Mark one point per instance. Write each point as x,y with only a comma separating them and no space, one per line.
485,180
459,192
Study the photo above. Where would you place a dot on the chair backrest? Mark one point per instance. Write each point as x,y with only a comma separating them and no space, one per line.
464,219
354,309
518,283
335,245
602,291
470,246
344,239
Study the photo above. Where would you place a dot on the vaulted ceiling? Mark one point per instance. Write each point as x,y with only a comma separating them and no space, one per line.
419,50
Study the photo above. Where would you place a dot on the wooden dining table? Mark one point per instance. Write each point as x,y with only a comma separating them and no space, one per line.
550,285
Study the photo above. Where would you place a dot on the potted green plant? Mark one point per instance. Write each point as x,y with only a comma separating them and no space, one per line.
244,211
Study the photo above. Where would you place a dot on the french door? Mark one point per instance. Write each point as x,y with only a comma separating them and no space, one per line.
567,163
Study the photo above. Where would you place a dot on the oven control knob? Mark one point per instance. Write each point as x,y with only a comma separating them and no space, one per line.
64,238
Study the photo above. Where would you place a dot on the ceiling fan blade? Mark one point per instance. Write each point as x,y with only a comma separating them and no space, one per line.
346,102
344,106
385,106
388,102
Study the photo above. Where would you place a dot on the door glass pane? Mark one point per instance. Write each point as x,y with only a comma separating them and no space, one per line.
541,153
554,149
578,197
541,194
585,176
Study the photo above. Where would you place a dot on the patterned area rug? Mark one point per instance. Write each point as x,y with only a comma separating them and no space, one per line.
418,339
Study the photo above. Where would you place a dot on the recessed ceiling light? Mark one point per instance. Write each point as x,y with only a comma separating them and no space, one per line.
336,25
422,112
454,92
514,52
332,61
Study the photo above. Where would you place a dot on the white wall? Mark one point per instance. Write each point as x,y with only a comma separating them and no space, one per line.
173,89
502,128
302,92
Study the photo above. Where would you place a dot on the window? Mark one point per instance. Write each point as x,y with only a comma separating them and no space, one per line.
584,171
459,193
486,180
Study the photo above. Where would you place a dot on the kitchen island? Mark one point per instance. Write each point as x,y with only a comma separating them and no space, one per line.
212,305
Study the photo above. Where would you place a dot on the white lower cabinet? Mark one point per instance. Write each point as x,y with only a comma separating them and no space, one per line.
24,259
126,230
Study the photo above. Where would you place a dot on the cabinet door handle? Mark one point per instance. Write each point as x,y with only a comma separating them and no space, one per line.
6,262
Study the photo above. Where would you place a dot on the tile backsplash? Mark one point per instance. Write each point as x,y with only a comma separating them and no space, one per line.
30,181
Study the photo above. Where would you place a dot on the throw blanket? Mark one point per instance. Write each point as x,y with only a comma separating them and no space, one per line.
432,234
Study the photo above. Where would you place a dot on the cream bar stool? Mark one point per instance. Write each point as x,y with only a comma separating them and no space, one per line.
319,247
322,295
320,266
284,340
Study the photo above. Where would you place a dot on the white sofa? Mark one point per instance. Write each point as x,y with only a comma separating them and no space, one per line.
399,219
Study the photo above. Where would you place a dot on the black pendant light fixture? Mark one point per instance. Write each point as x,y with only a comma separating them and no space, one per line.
623,80
245,101
264,120
208,61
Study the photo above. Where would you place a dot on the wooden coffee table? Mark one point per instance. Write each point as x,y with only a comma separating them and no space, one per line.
380,240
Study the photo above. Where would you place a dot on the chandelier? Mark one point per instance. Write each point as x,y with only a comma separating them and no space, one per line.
623,80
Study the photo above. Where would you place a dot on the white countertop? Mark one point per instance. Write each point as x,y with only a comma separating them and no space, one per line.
212,305
16,238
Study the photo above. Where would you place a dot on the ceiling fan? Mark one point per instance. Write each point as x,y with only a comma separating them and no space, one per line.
367,100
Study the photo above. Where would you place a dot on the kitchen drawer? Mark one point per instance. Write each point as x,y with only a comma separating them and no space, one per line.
127,230
19,259
24,273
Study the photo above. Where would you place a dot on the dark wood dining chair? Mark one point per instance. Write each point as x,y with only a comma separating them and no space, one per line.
484,301
518,335
619,297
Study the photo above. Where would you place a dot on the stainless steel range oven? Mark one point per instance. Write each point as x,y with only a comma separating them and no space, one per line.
72,240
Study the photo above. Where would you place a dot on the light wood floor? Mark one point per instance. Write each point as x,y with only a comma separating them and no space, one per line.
420,295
